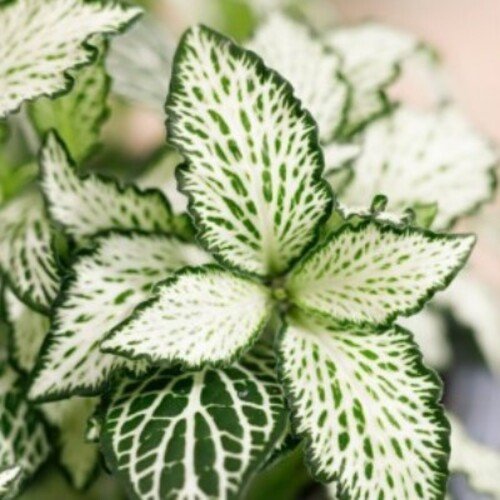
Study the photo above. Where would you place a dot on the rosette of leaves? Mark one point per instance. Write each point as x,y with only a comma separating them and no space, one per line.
138,293
354,381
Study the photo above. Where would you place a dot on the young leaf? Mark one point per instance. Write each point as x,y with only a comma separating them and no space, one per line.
371,273
295,53
78,458
23,441
254,171
372,55
26,256
92,204
416,157
479,463
10,479
367,408
198,434
140,62
106,285
79,115
41,40
28,330
204,315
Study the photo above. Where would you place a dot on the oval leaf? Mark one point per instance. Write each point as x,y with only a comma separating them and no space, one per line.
254,168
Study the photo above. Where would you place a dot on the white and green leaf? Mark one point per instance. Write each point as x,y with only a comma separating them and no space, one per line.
254,164
140,63
290,48
23,439
371,273
477,461
201,434
41,40
104,288
78,458
26,255
28,330
10,479
367,409
201,316
372,55
415,157
79,115
88,205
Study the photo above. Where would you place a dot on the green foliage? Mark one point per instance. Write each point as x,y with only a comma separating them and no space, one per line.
198,346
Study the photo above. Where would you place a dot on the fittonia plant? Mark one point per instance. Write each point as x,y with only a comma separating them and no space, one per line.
198,361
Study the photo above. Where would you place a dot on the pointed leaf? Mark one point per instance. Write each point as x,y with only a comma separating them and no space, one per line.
42,39
78,458
295,53
367,408
372,273
254,169
372,55
105,286
478,462
23,440
416,157
28,330
79,115
26,256
88,205
203,315
195,434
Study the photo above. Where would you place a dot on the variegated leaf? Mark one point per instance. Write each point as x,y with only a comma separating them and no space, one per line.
103,290
26,255
295,53
41,40
415,157
367,409
76,456
202,434
478,462
140,63
372,55
23,440
79,115
28,330
92,204
10,479
254,168
201,316
371,273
